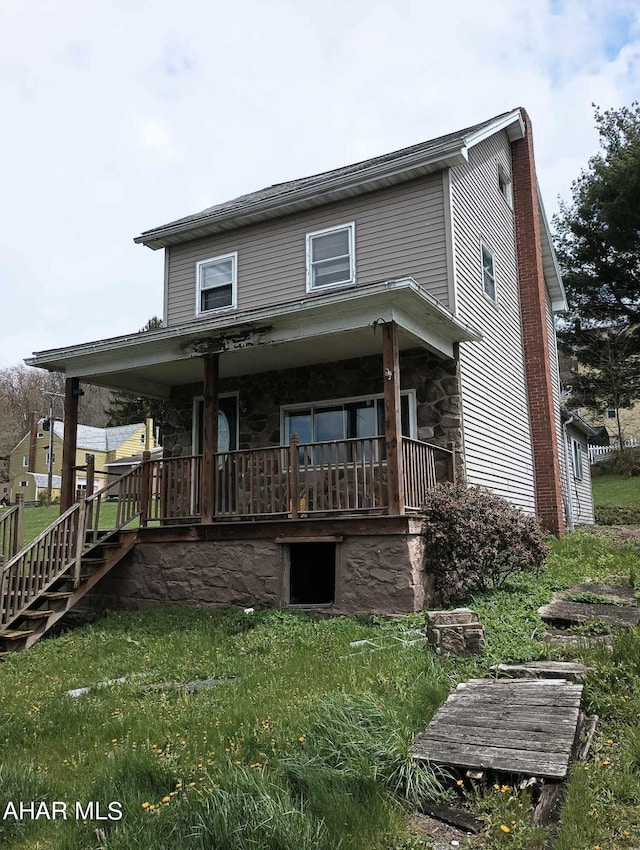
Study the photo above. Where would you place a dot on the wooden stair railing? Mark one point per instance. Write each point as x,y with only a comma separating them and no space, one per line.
43,581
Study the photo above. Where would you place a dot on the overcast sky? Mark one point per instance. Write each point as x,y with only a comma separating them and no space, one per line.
120,115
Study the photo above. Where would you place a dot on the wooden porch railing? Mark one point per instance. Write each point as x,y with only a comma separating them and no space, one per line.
32,570
11,530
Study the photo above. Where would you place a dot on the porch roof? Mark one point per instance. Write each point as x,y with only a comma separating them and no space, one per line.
320,328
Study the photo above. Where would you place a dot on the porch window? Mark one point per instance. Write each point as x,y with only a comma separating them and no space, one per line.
217,283
489,273
330,257
343,419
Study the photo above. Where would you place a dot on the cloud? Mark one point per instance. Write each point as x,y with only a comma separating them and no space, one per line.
120,117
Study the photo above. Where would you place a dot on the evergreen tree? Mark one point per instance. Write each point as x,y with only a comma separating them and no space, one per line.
127,408
598,234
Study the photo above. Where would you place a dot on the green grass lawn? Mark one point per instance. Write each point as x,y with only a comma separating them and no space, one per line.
303,742
614,491
36,519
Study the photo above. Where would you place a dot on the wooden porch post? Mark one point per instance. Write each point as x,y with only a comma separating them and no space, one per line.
209,438
392,417
71,396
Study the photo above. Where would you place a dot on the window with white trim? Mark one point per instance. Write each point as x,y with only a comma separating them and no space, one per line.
216,281
345,419
611,413
488,273
25,460
576,455
53,459
24,483
331,257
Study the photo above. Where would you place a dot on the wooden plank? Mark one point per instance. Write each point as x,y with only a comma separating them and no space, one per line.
547,765
512,721
537,740
570,670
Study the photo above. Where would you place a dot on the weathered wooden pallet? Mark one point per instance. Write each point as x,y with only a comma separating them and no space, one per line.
522,726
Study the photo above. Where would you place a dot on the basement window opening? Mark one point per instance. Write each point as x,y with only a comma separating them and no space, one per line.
312,574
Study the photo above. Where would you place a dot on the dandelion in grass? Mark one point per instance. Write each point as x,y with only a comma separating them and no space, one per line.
505,828
146,805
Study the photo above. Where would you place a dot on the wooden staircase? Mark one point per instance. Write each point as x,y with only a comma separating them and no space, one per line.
33,615
43,581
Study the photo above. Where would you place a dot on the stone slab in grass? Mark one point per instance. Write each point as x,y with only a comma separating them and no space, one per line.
619,594
560,611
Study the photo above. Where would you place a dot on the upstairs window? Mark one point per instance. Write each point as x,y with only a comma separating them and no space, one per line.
25,460
330,257
611,412
217,283
489,274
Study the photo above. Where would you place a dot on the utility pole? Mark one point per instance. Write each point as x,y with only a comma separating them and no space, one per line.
51,429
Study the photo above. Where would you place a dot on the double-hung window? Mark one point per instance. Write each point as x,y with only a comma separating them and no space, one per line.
216,281
488,273
331,257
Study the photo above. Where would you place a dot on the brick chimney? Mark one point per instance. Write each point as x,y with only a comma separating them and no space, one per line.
33,441
542,413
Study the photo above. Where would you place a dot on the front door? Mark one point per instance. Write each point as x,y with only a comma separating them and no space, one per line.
227,424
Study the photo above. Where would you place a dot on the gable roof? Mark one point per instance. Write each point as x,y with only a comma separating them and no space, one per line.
366,176
100,439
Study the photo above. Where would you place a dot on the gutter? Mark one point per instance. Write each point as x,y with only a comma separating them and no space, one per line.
227,322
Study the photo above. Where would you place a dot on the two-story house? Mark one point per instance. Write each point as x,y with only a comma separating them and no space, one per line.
333,347
40,451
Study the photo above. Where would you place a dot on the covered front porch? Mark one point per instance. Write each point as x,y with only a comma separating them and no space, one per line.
342,405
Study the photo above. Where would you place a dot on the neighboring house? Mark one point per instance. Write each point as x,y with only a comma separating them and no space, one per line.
393,317
34,487
29,460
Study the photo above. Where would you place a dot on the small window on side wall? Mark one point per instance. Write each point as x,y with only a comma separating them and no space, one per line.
216,281
576,456
489,273
504,185
330,257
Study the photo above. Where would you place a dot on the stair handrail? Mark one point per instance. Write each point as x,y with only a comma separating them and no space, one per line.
11,529
133,497
24,577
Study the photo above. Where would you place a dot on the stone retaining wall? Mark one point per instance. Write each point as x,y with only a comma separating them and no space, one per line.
375,574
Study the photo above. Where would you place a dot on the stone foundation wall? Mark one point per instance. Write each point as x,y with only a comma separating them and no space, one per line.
375,574
435,381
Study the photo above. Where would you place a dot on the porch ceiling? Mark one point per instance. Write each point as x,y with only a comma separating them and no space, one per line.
321,328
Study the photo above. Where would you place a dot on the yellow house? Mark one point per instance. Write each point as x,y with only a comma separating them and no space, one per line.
29,460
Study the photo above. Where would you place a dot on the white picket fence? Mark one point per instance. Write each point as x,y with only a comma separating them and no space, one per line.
600,453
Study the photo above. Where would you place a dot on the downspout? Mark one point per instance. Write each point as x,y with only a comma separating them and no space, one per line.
569,503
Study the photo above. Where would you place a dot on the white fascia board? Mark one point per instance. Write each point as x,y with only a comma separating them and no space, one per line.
312,317
551,268
512,123
456,155
163,344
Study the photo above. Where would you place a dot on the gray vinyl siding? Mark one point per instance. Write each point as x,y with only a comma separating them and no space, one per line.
399,232
497,433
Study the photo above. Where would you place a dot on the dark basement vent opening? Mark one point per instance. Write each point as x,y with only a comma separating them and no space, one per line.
312,573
